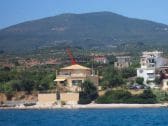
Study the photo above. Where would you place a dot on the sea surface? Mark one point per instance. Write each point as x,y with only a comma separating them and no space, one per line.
85,117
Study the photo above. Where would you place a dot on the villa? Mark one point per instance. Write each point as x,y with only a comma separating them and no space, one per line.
150,62
68,84
71,77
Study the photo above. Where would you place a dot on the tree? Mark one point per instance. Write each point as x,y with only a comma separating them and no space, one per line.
158,80
115,81
128,72
27,85
111,59
140,80
15,85
123,96
88,92
147,94
112,78
115,96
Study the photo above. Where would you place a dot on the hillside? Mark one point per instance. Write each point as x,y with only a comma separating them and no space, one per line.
87,30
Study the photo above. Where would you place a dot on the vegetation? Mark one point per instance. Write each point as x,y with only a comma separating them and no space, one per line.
26,80
115,78
40,77
123,96
97,29
140,80
112,78
128,72
161,96
88,92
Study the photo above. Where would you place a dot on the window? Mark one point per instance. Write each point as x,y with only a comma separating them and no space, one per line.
151,75
76,82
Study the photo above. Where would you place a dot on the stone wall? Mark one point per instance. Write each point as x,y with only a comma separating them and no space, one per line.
47,98
3,97
70,98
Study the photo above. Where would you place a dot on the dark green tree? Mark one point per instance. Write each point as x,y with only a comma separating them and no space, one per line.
27,85
140,80
115,81
88,92
128,72
112,78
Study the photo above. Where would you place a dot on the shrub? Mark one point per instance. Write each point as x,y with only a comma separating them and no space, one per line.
122,96
140,80
128,72
114,96
88,92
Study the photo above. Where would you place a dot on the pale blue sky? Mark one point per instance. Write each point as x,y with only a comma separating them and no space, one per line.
16,11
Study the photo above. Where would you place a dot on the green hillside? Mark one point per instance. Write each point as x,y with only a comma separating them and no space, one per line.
87,30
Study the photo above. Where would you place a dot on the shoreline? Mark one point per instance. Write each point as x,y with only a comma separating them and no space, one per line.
88,106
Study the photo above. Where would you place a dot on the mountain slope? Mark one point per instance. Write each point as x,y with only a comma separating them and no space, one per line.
90,29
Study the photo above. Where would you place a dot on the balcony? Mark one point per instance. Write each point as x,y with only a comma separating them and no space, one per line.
72,75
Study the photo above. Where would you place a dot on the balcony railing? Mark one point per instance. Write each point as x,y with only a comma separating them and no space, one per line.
72,75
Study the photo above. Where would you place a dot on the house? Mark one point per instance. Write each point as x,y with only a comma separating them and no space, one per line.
71,77
150,61
100,59
68,81
122,62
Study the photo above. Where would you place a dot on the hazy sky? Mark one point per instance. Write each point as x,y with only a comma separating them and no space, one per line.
16,11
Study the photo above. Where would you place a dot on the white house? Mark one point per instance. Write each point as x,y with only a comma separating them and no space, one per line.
148,74
149,61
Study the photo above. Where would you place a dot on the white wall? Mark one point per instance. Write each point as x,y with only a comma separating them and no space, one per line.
141,72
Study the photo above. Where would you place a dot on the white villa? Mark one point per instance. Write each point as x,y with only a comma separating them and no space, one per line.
150,61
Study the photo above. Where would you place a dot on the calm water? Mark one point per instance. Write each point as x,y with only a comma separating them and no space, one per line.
85,117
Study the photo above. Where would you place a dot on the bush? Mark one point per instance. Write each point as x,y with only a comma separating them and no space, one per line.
161,96
84,99
88,92
128,72
140,80
122,96
112,78
35,79
114,96
63,103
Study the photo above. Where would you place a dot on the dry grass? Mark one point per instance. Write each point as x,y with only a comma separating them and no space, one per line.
136,92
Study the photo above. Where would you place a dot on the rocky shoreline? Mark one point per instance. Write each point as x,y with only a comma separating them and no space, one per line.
88,106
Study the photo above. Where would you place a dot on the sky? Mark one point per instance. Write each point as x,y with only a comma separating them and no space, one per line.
17,11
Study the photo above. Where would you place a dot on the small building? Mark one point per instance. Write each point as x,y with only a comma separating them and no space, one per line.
152,59
71,77
122,62
100,59
149,61
147,73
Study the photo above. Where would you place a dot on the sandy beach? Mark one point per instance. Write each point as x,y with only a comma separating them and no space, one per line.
88,106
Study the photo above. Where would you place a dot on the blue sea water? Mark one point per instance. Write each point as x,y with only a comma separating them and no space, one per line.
85,117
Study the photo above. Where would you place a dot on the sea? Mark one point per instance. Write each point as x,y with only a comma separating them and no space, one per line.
85,117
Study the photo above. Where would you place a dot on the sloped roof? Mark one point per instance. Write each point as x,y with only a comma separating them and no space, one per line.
75,67
60,79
